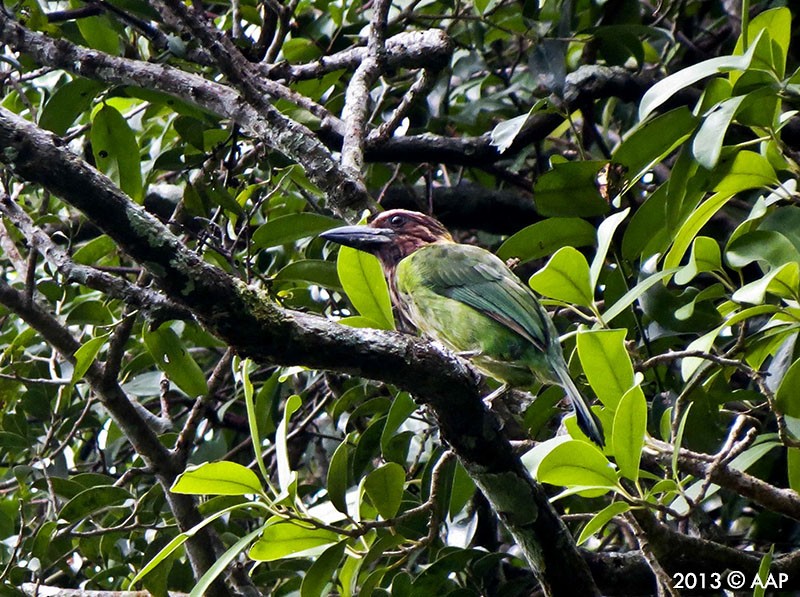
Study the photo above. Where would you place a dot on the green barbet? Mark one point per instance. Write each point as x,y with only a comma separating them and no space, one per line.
469,300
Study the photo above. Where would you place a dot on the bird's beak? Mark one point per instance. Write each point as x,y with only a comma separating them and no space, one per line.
363,238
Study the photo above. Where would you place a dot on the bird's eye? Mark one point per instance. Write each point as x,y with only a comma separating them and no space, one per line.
397,221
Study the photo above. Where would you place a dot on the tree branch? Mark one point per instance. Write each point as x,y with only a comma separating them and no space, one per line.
357,97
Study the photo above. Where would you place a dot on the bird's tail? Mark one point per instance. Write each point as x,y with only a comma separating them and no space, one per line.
587,420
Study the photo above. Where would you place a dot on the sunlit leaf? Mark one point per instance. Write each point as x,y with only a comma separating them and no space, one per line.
217,478
565,277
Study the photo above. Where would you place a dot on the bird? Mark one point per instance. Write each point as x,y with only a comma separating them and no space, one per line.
468,299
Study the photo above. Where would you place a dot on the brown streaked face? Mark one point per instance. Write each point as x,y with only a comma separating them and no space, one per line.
391,235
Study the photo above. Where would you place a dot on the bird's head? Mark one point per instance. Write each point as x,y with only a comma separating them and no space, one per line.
391,235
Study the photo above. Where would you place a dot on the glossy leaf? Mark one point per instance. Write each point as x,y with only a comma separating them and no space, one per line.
787,400
606,363
116,151
599,520
314,271
783,281
705,257
707,144
669,86
630,425
172,358
339,474
285,539
217,478
67,103
565,278
292,227
576,463
576,180
605,233
546,237
653,140
85,355
99,34
765,246
384,487
322,571
92,500
363,281
285,476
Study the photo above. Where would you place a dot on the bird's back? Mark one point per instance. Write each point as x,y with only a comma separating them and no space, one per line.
468,299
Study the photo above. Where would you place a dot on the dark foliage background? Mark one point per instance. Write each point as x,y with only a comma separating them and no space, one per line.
199,395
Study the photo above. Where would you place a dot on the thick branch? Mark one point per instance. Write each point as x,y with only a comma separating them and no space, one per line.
254,326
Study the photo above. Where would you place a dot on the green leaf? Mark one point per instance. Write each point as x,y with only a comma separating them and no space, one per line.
599,520
605,232
363,281
546,237
764,576
322,571
287,539
653,140
705,257
666,88
94,499
85,355
630,426
402,407
67,103
314,271
646,233
462,490
576,463
766,246
707,144
783,281
565,278
503,134
94,250
777,22
576,180
116,151
384,487
252,416
99,34
285,476
786,398
793,468
606,363
287,229
173,359
339,473
217,478
222,562
747,170
627,299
